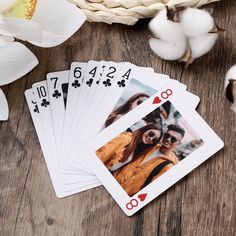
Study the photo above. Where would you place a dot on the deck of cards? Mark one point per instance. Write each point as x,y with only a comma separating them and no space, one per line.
132,130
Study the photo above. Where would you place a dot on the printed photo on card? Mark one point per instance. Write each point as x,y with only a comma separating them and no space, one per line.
149,148
134,94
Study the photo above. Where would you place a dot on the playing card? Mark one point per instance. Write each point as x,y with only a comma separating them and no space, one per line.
76,77
137,164
89,77
90,99
57,83
41,96
61,190
58,90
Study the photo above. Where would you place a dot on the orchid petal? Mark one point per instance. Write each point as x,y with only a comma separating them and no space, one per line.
5,4
58,19
21,9
4,110
4,40
16,60
20,28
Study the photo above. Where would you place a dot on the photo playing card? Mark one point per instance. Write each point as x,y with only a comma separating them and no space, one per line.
137,163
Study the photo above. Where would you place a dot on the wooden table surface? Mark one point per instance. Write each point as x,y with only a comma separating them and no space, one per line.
202,203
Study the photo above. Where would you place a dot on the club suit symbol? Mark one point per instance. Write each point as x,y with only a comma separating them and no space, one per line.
36,109
121,83
56,94
45,103
76,84
89,82
107,83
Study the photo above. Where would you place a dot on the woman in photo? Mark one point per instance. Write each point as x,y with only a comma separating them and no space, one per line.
135,176
133,102
128,146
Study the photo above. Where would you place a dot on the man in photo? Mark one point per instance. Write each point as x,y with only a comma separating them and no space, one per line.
154,165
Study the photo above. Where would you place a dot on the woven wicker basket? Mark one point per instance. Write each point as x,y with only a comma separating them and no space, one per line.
128,12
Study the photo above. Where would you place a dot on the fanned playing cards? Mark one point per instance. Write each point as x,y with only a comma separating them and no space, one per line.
132,130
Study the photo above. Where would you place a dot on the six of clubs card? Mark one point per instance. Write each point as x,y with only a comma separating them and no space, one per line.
126,127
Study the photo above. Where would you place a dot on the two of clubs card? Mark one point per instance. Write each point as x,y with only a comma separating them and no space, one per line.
134,131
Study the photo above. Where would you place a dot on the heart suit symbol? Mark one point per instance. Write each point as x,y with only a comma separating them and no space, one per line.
156,100
142,196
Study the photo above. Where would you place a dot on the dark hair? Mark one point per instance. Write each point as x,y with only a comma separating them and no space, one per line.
134,145
176,128
123,109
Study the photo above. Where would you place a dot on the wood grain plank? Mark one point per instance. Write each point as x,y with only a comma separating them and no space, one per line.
200,204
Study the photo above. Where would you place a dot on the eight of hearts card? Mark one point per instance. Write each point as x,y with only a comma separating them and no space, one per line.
135,164
126,127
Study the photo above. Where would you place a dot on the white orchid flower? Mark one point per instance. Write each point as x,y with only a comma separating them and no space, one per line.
45,23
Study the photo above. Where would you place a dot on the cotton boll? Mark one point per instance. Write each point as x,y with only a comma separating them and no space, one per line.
168,50
4,110
230,93
165,29
231,74
202,44
196,22
230,87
